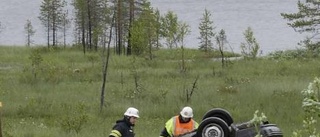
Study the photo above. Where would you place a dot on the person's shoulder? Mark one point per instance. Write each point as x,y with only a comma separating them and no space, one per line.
194,121
120,123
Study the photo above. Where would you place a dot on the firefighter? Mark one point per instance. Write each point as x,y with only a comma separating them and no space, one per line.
124,127
180,124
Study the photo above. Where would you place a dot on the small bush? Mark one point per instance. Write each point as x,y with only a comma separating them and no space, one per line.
75,119
288,54
311,107
35,107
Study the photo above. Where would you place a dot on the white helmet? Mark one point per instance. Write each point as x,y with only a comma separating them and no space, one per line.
132,112
186,112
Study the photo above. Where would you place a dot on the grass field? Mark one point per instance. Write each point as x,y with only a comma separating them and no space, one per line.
60,95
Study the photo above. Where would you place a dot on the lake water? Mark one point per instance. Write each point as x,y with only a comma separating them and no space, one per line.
234,16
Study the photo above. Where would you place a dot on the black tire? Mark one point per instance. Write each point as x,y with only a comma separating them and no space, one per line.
213,127
220,113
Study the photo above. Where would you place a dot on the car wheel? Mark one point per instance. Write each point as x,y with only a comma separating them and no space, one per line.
213,127
220,113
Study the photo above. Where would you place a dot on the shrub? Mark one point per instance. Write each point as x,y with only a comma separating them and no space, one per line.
75,119
311,108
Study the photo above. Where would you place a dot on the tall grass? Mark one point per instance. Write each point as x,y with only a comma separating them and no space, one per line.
63,102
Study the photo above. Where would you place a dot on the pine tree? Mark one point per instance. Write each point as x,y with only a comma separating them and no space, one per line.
206,28
29,32
65,26
51,12
80,22
91,20
306,20
135,10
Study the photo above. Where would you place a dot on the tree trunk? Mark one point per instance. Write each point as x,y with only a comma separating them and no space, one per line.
83,35
222,54
150,50
64,29
54,27
183,67
48,33
89,25
105,69
28,39
131,18
0,120
119,26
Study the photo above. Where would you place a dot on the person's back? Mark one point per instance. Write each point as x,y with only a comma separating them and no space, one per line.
180,124
124,127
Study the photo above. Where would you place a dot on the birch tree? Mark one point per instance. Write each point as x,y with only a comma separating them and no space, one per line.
144,33
250,47
169,28
183,31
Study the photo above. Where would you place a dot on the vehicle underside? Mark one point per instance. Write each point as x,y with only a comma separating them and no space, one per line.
219,123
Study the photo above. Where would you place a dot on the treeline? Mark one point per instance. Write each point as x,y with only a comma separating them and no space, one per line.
134,27
131,27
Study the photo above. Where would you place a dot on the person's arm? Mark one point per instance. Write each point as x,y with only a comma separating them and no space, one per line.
196,124
167,131
116,131
164,133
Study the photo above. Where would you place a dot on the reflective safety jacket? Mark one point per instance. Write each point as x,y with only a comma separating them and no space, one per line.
176,127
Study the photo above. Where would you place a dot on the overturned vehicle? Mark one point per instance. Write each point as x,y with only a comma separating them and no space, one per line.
219,123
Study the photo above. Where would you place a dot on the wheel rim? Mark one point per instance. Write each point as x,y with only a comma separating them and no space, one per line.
212,130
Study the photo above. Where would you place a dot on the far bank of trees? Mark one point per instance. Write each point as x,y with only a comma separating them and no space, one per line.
136,28
92,21
132,27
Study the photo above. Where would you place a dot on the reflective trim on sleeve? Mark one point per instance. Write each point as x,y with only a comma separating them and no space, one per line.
115,133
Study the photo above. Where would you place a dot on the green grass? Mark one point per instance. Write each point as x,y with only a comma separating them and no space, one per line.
45,105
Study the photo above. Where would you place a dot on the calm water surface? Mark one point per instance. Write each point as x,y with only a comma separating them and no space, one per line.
234,16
